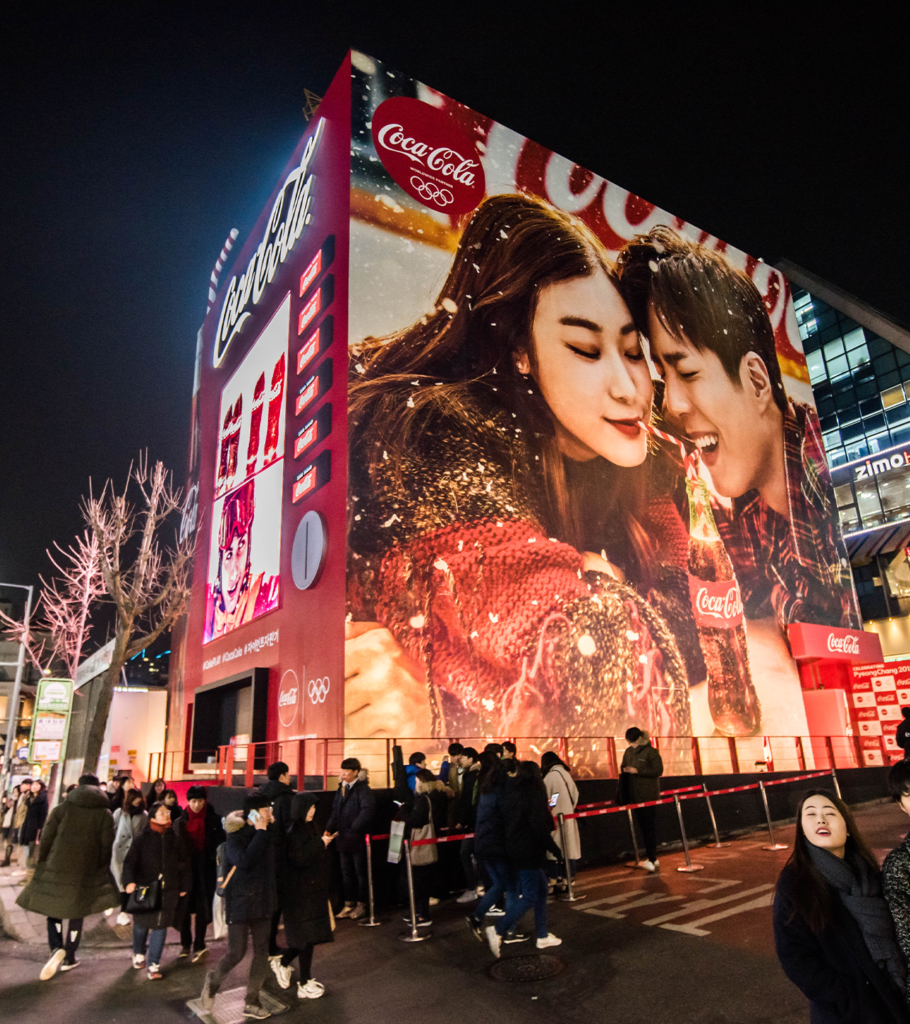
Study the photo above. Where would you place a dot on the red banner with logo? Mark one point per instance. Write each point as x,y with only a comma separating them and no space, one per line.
808,640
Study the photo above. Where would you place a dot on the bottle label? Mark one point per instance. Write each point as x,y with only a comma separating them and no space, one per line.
716,604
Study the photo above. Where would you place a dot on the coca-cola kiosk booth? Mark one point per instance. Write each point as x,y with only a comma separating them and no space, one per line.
848,690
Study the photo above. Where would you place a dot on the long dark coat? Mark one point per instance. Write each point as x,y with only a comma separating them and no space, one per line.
73,877
151,854
833,969
205,863
251,892
528,826
35,817
305,891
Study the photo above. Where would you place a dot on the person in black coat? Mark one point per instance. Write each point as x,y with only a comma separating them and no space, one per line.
304,896
250,899
199,826
278,789
352,814
430,804
35,817
156,855
834,936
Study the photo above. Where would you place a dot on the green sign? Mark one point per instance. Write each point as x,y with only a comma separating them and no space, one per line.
51,720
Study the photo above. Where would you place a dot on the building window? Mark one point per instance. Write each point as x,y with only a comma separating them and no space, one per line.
894,396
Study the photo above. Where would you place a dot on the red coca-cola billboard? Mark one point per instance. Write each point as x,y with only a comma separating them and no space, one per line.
810,640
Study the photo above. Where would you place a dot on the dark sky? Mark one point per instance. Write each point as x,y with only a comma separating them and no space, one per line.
135,135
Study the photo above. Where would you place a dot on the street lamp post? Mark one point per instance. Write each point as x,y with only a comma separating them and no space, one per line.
13,715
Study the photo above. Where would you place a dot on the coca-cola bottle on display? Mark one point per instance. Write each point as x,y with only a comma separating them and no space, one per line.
718,610
221,482
252,449
234,440
276,397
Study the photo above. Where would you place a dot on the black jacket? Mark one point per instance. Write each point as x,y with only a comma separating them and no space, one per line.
528,826
902,736
305,892
833,970
35,817
351,817
490,827
281,796
643,785
466,814
150,855
204,864
251,893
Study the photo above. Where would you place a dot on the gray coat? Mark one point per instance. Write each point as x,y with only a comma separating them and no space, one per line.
126,828
73,877
560,783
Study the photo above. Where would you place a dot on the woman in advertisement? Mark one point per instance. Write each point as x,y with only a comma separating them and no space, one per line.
502,518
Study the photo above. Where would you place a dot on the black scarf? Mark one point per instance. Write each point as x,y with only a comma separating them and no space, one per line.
860,891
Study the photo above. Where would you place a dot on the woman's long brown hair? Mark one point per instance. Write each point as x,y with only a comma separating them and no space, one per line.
513,246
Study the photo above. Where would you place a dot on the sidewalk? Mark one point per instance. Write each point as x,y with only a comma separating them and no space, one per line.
23,926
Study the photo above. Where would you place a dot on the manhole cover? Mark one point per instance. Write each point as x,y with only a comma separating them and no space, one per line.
527,968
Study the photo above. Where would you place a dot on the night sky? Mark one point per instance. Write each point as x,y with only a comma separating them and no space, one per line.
136,135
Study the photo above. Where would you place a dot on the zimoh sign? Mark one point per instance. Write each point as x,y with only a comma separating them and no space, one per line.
283,229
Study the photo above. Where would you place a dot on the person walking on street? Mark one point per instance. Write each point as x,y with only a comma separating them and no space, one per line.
30,833
639,782
129,821
9,813
157,855
304,897
278,789
199,826
73,875
250,899
562,796
22,805
352,814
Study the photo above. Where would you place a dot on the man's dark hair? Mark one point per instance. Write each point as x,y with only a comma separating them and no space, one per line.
633,734
493,748
153,810
276,770
197,793
508,745
417,758
89,780
899,780
697,292
255,802
350,764
905,712
471,753
455,749
425,775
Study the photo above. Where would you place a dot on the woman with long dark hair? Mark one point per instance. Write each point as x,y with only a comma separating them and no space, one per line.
562,796
129,821
499,495
834,935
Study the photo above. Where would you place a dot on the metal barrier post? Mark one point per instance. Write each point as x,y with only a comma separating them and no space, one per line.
689,866
773,845
570,896
372,923
836,783
634,838
414,935
717,844
830,747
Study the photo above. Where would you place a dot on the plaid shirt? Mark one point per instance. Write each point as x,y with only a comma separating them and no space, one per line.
798,569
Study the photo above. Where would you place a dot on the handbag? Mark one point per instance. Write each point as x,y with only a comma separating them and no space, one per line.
421,856
145,899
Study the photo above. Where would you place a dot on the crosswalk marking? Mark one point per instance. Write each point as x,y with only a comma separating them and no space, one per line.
693,929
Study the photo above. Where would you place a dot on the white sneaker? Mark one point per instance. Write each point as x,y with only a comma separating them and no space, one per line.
282,973
496,912
468,896
138,960
123,918
494,941
648,865
550,940
109,911
50,968
313,989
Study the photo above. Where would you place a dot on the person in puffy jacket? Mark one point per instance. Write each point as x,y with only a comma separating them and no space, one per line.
250,899
352,814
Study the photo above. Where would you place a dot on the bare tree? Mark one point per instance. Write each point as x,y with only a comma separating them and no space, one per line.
62,623
147,582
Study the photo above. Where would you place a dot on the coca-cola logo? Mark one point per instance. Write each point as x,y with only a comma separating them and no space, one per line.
429,155
843,644
716,603
288,698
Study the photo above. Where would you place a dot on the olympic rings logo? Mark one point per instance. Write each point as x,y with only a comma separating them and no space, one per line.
427,190
318,689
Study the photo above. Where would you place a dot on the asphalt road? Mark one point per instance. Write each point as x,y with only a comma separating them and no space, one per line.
672,947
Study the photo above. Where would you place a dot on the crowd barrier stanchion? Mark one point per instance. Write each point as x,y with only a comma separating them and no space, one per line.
772,845
570,896
414,935
689,866
717,844
634,837
834,780
372,922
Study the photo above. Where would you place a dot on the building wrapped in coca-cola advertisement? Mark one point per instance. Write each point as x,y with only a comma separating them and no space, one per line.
492,447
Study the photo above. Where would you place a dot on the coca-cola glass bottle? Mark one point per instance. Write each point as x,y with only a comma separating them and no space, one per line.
234,441
276,396
221,482
718,610
252,449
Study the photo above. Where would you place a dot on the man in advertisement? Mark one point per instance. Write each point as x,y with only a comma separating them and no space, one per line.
237,596
712,342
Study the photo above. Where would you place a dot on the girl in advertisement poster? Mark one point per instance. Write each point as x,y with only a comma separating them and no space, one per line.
501,507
